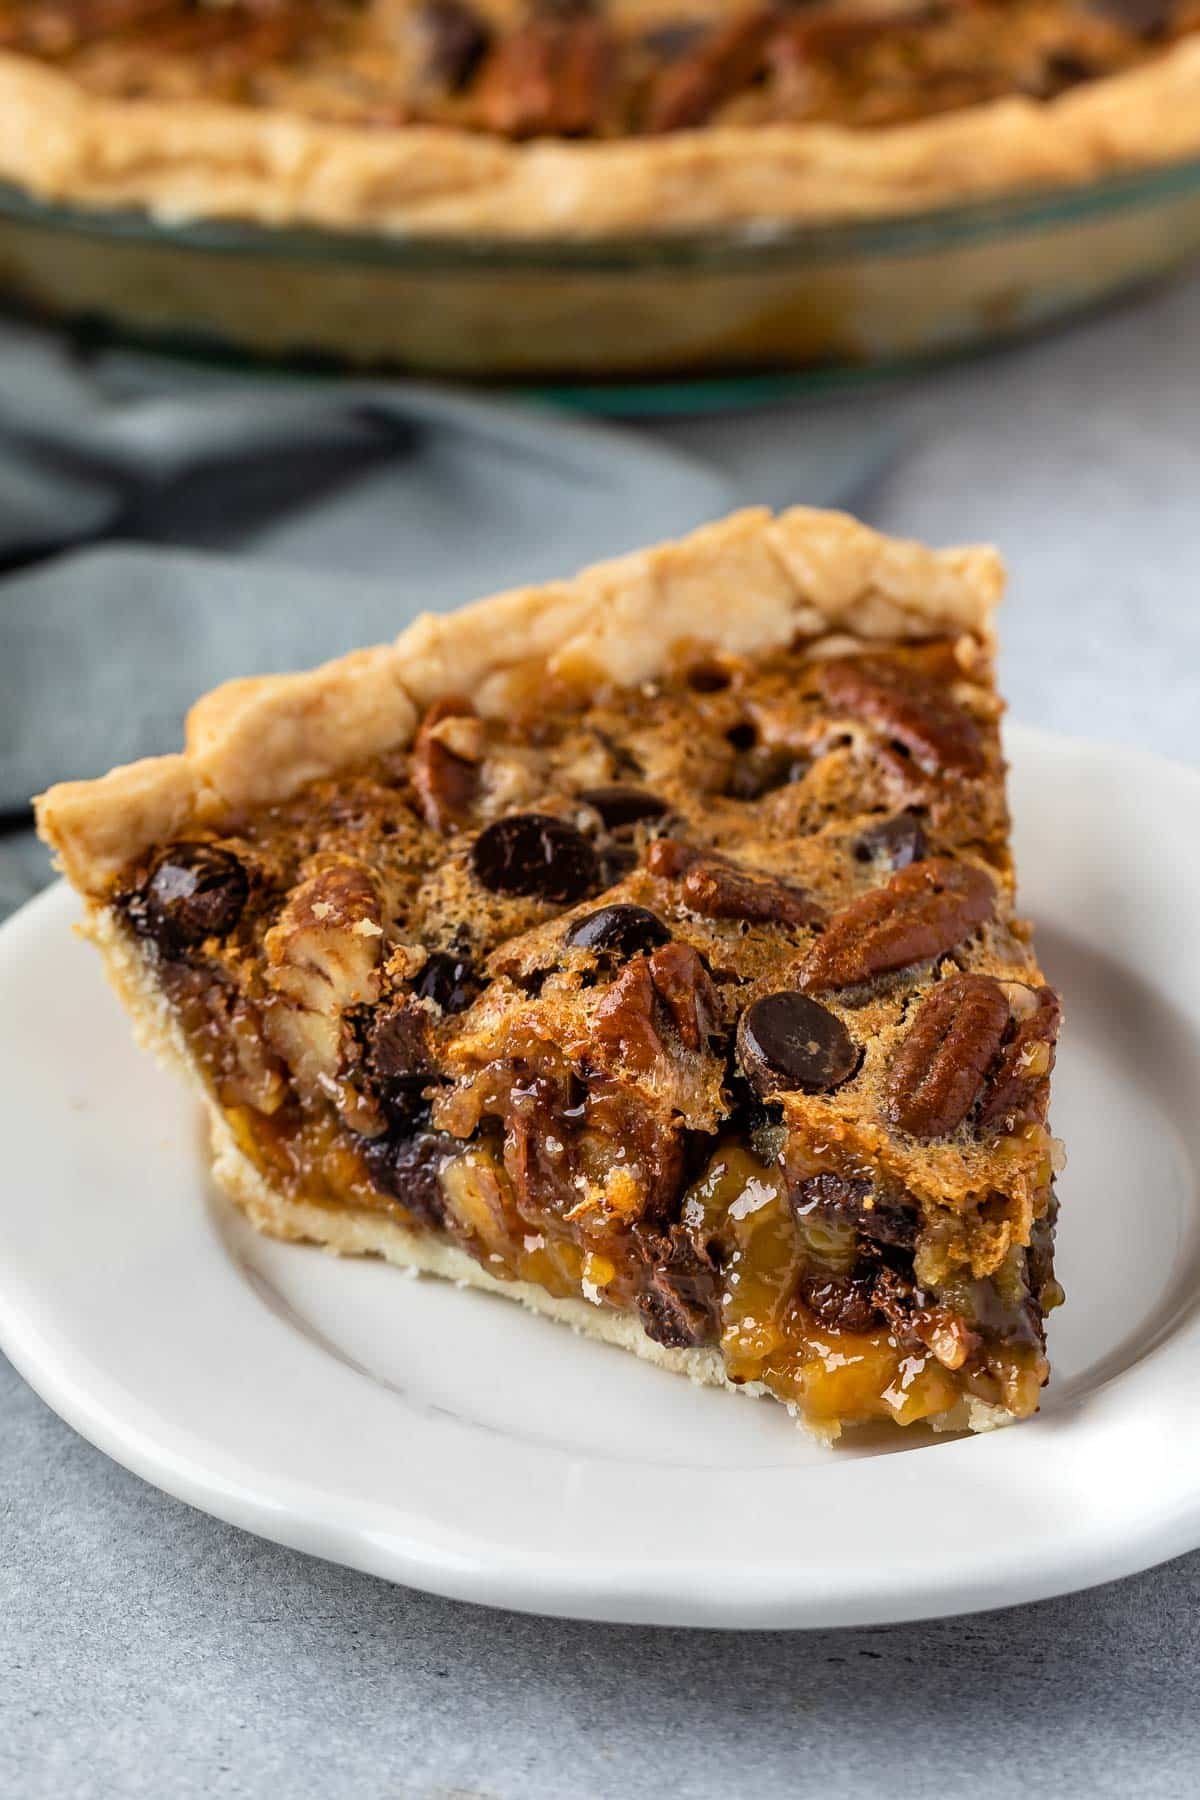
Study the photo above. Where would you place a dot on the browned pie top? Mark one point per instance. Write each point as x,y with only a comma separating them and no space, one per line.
606,893
593,68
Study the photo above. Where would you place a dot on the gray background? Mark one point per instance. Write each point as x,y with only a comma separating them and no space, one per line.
147,1650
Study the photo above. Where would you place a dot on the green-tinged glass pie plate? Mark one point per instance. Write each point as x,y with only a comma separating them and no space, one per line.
752,303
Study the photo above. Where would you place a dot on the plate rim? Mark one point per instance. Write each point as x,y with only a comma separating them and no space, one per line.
559,1584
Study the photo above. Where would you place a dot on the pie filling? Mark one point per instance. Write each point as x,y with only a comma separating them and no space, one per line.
702,1001
583,68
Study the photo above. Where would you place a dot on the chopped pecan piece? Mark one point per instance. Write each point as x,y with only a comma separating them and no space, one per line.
624,1023
685,987
923,911
322,957
914,1318
550,77
668,858
445,762
728,59
718,890
938,733
935,1078
680,1307
840,1302
671,984
852,1201
1019,1086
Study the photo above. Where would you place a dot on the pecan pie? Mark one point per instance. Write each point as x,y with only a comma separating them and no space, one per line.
641,947
559,117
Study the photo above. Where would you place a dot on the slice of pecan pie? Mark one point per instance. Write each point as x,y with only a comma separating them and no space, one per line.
641,947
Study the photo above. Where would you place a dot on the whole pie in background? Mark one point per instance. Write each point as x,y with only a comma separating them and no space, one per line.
583,116
642,947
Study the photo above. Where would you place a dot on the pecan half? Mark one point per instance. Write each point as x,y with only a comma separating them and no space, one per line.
935,1078
726,60
446,780
938,733
683,984
923,911
1019,1086
550,77
717,890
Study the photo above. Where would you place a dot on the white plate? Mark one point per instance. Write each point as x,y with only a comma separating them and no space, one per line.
450,1440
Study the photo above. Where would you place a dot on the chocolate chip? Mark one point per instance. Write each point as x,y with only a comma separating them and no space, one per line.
399,1061
538,856
621,806
398,1044
456,39
409,1168
788,1041
623,929
896,842
449,981
195,891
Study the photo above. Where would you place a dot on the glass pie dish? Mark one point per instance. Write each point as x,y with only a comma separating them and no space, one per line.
763,299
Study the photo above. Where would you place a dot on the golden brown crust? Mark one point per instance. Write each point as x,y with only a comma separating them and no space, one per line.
817,575
199,160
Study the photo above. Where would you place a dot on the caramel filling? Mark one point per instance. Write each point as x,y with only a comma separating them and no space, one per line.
976,1339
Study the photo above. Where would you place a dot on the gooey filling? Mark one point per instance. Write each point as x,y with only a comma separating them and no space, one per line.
831,1321
572,995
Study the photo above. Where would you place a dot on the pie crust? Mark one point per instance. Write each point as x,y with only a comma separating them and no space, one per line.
259,740
196,161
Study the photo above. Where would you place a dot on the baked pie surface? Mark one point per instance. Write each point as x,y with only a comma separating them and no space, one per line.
576,117
641,946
